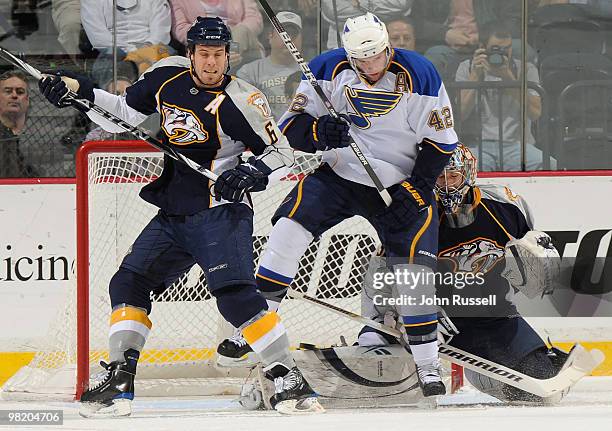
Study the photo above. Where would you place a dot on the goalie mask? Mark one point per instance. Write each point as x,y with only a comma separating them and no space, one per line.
364,37
456,181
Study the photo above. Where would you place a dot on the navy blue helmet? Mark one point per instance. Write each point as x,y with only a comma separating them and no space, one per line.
209,31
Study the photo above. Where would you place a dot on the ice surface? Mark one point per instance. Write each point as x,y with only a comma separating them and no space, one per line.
587,407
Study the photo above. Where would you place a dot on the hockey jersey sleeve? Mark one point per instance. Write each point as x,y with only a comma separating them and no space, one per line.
306,107
140,99
247,117
431,117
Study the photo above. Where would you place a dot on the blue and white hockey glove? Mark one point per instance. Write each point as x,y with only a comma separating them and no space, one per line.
330,132
232,184
411,198
56,90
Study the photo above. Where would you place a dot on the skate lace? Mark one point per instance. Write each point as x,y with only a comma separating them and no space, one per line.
430,372
288,382
238,339
101,377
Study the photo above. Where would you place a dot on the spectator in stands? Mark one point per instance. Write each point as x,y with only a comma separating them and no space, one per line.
14,105
401,33
142,32
242,16
308,10
344,9
66,15
448,30
493,62
270,73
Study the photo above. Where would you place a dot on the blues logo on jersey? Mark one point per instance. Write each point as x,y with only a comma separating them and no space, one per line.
367,103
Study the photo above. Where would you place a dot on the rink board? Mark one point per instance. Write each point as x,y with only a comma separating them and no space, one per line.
41,217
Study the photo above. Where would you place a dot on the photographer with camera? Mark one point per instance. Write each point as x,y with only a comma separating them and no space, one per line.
493,62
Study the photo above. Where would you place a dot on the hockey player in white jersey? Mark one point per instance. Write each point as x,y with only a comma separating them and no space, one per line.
401,117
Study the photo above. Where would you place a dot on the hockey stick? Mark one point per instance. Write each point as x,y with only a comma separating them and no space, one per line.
134,130
297,56
581,362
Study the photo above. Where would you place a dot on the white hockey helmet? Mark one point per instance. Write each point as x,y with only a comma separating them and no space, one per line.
365,36
463,162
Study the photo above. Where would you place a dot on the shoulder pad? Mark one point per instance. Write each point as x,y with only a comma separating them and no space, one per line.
424,77
504,195
327,65
172,61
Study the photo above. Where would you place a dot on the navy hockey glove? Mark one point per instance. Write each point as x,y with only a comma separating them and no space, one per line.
232,184
409,199
330,132
56,91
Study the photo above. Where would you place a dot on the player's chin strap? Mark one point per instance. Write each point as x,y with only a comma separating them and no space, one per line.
533,264
580,362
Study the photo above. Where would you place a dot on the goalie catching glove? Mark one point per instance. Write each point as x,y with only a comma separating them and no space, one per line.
533,264
56,88
232,184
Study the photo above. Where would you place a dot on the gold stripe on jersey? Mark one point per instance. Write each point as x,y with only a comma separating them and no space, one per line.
417,237
395,63
287,125
435,145
510,237
299,198
166,82
343,65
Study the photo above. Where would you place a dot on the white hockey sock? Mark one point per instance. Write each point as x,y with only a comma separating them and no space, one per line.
424,353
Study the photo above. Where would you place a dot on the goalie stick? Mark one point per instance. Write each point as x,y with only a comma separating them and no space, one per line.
134,130
299,59
579,363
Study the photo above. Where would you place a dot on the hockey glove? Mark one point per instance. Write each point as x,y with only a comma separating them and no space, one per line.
56,88
409,199
330,132
232,184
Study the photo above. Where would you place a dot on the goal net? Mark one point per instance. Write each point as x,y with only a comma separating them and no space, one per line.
187,327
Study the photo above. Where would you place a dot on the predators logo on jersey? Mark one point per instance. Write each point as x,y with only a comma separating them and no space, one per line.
479,255
182,126
259,101
367,103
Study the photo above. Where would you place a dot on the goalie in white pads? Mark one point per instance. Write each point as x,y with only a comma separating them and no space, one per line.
478,234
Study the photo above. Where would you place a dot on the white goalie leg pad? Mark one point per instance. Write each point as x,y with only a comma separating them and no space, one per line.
533,264
374,292
287,243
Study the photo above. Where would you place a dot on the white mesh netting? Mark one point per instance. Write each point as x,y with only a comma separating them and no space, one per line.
186,324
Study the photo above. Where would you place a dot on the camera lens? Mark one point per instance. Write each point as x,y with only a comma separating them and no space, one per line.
496,59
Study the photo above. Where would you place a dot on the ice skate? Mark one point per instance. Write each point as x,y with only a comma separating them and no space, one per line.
430,379
293,395
114,394
235,352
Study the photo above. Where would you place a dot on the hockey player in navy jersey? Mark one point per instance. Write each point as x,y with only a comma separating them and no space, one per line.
401,117
210,117
481,229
